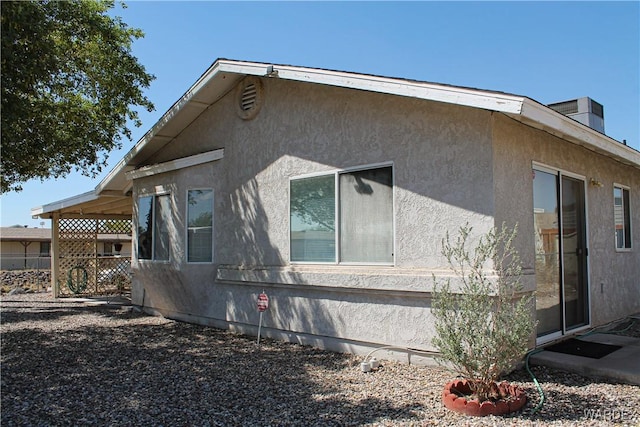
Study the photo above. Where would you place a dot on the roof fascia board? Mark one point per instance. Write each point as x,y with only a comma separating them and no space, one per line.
65,203
95,216
432,92
579,133
176,164
238,67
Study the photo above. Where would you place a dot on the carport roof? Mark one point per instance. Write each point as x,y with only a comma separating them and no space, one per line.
112,196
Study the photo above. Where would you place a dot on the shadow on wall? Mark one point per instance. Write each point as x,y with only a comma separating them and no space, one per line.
302,129
248,229
299,310
250,250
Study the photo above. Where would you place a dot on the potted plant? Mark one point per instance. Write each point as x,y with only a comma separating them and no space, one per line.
483,321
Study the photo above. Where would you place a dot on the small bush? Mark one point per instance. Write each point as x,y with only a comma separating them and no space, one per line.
483,327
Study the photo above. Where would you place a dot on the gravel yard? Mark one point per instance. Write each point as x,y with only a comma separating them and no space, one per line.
70,363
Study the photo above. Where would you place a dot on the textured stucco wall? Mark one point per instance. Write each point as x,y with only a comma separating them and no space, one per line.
452,165
442,157
614,276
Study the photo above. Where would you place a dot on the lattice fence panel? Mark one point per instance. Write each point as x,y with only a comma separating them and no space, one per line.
82,271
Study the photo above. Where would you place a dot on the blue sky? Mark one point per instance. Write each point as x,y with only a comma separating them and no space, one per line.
548,51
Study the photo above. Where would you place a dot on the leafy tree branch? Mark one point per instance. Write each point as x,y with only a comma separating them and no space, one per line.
70,86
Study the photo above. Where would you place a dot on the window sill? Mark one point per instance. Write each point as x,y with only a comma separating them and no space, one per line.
351,278
624,250
153,261
368,278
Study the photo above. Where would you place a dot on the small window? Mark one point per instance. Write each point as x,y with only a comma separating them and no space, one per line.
200,226
108,249
622,217
45,248
364,232
154,214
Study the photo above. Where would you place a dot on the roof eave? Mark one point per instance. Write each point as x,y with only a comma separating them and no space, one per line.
223,74
428,91
550,121
43,210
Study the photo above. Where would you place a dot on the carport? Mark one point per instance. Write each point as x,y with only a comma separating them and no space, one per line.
77,224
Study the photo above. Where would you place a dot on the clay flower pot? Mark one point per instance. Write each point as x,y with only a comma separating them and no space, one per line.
457,397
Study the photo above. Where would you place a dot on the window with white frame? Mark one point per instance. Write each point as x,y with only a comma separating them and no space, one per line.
622,217
200,225
154,214
343,217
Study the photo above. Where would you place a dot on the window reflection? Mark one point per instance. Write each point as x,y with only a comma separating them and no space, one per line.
313,219
547,242
145,221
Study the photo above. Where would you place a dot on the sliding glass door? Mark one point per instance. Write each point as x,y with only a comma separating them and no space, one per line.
561,252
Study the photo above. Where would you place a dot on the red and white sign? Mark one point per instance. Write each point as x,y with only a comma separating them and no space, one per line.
263,302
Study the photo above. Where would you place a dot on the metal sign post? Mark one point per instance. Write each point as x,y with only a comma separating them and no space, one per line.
263,304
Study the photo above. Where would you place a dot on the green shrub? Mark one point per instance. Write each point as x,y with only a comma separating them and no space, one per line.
483,327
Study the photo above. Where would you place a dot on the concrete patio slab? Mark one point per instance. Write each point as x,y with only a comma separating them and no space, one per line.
622,365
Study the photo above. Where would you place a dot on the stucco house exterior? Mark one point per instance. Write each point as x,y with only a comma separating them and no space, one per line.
331,191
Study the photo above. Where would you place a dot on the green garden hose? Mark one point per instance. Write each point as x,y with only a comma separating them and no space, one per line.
80,283
593,331
535,381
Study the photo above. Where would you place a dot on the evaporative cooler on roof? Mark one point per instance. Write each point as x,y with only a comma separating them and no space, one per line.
584,110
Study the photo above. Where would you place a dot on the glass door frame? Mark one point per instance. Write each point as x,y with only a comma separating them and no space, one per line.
560,173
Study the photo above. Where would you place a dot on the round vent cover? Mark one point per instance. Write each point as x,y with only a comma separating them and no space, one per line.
249,98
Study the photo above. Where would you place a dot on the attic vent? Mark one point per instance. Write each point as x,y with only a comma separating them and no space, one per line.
569,107
250,97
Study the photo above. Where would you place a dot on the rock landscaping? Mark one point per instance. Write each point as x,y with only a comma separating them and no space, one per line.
68,362
26,280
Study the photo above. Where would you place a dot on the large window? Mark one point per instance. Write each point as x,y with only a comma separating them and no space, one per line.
622,217
200,226
154,214
343,217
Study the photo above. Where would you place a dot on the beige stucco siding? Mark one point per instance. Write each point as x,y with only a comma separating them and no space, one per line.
13,256
452,165
614,275
441,156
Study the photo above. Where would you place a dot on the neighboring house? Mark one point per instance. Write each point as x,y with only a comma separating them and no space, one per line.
24,248
331,192
30,248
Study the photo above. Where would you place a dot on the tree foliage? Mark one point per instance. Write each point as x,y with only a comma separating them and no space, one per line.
483,327
70,86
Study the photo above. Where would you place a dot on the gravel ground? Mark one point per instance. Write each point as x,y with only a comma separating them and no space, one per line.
68,363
